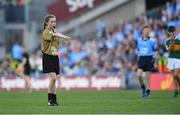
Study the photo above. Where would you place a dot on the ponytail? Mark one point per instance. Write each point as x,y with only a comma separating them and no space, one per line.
44,26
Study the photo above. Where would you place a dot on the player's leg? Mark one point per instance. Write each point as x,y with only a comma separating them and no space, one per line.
177,72
141,81
170,66
51,88
148,82
56,65
27,83
177,79
27,78
175,83
54,91
174,66
149,69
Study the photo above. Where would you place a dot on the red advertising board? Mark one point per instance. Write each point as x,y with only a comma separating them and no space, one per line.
65,9
161,82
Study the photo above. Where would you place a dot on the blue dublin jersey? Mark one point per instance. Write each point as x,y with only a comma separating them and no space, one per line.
146,47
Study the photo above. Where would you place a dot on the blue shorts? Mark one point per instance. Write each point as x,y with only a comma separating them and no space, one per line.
146,63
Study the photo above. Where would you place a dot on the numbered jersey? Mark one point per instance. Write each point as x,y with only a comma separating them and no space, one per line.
50,44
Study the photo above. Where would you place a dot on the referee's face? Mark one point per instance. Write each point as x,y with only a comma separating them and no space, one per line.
52,22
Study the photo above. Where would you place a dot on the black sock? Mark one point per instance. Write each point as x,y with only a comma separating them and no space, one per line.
143,87
54,98
50,96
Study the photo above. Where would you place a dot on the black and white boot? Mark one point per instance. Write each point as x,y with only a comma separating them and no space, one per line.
55,100
50,100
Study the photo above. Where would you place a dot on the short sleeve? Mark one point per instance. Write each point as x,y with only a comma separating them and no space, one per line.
47,35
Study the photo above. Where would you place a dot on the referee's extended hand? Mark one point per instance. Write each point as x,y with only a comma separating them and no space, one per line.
68,40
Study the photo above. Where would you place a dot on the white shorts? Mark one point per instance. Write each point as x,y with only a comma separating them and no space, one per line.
173,63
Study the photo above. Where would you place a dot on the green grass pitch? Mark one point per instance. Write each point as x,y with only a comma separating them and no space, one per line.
90,102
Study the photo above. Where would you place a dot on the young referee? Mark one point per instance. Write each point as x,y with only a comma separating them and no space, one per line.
50,45
173,46
146,47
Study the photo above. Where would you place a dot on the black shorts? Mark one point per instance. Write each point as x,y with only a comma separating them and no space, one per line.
146,63
50,63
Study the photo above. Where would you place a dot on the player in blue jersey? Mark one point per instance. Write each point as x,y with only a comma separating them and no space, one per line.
146,47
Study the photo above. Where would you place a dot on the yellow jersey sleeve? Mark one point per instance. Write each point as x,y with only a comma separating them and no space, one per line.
47,35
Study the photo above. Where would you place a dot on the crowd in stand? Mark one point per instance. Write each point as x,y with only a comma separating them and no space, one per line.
113,51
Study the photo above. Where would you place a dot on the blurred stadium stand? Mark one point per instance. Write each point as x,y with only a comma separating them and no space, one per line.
110,11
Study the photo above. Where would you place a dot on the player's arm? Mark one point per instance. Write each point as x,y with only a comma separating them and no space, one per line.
50,35
23,62
59,35
155,46
172,39
171,46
